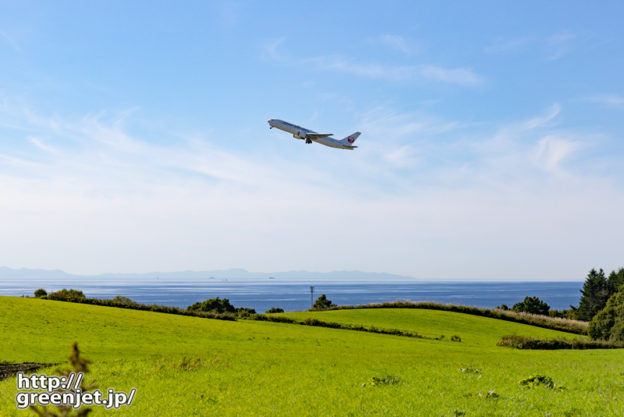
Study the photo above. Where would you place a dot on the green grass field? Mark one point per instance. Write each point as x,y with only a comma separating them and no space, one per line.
473,330
251,368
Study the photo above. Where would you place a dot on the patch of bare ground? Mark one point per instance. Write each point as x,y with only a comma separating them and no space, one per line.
9,369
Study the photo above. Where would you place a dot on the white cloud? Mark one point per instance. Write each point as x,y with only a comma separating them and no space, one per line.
40,144
614,100
555,46
461,76
271,48
401,157
431,198
551,151
543,120
401,73
10,41
387,124
559,45
458,76
398,43
503,46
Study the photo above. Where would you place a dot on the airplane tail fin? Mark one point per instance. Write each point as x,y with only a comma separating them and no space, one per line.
349,140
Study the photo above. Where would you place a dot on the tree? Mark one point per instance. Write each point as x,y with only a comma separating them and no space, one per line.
322,303
214,305
123,300
274,310
595,293
608,324
532,305
40,293
615,281
67,295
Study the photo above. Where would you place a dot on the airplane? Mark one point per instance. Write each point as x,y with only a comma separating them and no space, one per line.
299,132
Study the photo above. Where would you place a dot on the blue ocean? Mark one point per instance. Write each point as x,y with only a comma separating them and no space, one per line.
296,296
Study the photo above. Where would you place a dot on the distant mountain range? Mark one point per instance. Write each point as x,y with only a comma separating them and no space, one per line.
231,275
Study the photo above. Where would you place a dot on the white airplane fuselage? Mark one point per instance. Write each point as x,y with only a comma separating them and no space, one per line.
310,136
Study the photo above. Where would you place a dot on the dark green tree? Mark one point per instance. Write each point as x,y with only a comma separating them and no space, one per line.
615,281
40,293
532,305
322,303
595,293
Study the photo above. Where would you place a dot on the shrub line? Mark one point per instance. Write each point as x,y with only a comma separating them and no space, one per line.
527,342
152,307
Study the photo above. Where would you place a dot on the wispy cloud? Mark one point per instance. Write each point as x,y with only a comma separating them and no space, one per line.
386,123
40,144
559,45
607,99
230,14
434,189
459,76
10,41
401,157
542,120
398,43
399,73
503,46
271,47
555,46
552,150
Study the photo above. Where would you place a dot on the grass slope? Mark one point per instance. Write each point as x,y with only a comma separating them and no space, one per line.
251,368
473,330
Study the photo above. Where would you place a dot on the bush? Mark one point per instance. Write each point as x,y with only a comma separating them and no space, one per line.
322,303
275,310
245,311
564,314
527,342
543,380
67,295
124,301
531,305
608,324
385,380
214,305
40,293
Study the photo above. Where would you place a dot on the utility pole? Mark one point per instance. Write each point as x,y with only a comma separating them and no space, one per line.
311,296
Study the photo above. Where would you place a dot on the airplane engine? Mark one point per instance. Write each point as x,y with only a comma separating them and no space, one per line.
299,135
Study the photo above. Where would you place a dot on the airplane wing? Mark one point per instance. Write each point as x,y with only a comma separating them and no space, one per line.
317,135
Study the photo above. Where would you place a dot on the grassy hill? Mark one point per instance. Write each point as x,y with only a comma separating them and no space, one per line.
473,330
249,368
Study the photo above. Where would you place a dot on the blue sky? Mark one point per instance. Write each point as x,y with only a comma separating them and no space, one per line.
133,137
